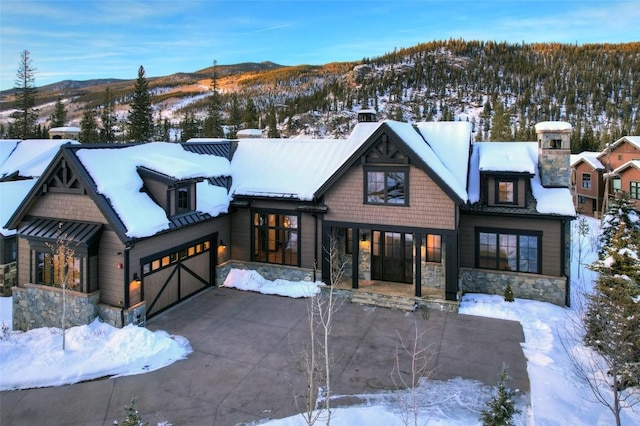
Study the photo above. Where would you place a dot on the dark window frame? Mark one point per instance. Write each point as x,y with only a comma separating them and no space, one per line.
10,249
45,271
183,198
433,252
514,183
519,243
266,249
634,190
169,258
586,180
387,175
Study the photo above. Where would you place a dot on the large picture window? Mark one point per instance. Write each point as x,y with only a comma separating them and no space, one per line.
386,187
502,250
276,238
53,269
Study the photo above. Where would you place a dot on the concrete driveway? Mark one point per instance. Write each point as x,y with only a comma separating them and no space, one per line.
244,366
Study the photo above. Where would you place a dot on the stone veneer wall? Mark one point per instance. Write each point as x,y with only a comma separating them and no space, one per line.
118,317
268,271
37,306
8,274
555,168
544,288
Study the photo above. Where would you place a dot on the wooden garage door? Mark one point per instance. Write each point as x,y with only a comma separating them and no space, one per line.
171,277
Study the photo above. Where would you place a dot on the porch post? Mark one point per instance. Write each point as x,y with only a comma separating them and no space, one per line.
451,265
355,257
417,241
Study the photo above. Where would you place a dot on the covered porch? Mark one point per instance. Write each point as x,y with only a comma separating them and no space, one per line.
394,262
395,295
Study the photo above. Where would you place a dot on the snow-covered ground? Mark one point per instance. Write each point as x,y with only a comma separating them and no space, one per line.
557,397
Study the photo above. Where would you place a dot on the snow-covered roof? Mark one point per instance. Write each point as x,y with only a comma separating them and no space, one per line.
6,148
114,172
633,140
517,157
450,141
12,193
553,126
289,168
456,178
633,163
513,157
589,157
249,133
31,156
66,129
297,168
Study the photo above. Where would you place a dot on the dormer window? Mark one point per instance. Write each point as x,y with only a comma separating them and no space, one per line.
183,199
506,191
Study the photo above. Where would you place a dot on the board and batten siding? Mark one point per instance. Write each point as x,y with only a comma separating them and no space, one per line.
551,238
110,276
429,206
158,191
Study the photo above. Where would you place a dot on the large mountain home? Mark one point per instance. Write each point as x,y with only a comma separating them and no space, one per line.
21,163
412,208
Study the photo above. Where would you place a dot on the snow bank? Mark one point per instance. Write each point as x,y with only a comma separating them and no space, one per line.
249,280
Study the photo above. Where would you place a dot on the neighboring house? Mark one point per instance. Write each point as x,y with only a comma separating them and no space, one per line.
587,183
146,224
21,162
66,132
622,161
414,205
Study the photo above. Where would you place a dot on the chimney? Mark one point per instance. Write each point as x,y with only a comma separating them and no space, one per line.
554,150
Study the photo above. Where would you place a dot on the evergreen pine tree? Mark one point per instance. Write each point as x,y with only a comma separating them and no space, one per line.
272,123
24,125
189,126
612,314
501,126
59,116
108,118
250,116
88,128
213,122
502,407
140,118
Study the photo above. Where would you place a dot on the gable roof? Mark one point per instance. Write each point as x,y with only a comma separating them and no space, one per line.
30,157
12,193
589,157
633,163
21,162
110,176
517,157
632,140
291,168
304,169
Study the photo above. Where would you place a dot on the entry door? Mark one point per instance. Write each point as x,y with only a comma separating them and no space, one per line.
392,257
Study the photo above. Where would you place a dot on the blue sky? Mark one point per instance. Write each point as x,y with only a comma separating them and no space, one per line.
86,39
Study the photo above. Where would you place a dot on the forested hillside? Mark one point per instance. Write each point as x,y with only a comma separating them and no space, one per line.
503,89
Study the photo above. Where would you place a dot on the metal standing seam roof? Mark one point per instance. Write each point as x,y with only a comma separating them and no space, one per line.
82,233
